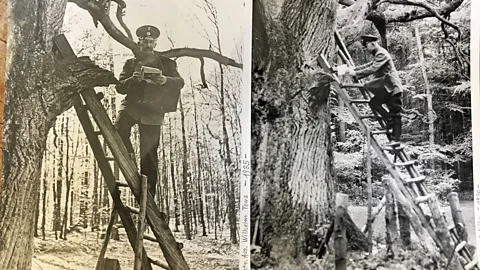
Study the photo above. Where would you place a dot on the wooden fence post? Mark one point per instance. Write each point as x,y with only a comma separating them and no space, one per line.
340,232
457,216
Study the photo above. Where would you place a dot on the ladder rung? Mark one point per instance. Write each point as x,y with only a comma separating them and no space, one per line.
150,237
461,246
377,132
98,132
415,180
359,101
158,263
471,264
351,85
389,148
122,183
406,163
132,209
153,239
371,116
422,199
110,158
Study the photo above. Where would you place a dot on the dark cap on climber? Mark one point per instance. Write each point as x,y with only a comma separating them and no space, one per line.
148,32
368,38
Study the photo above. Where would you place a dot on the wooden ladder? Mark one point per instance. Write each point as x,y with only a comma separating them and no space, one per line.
86,102
426,212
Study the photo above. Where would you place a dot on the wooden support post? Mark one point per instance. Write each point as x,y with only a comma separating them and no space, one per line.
112,264
404,224
141,224
340,232
369,192
457,216
442,232
106,240
390,219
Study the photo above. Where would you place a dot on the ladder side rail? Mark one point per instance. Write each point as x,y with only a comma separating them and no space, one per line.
106,240
108,175
166,240
381,154
141,224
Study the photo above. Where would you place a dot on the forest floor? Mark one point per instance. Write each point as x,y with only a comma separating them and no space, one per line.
81,250
412,259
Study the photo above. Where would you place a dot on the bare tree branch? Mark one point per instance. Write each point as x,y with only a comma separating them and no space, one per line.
432,11
202,72
120,13
199,53
98,13
444,9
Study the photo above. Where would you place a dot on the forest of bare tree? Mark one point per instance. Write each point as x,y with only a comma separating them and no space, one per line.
199,153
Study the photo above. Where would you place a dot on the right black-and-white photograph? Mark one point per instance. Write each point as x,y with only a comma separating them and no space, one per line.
121,146
362,135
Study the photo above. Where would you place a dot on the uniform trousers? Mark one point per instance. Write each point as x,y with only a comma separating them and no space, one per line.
149,140
393,100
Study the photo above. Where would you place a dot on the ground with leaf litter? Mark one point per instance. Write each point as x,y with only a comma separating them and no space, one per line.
413,259
81,250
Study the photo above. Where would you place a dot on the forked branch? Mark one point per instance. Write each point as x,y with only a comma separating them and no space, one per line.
97,11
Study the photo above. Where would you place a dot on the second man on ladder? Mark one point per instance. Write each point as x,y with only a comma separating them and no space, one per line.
385,86
146,80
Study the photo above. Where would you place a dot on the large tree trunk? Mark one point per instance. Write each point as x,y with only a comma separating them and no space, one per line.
34,81
291,148
3,56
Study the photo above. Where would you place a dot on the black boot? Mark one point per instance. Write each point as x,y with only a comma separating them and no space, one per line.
396,130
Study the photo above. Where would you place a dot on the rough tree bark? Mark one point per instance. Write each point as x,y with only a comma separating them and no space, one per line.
291,148
50,88
3,54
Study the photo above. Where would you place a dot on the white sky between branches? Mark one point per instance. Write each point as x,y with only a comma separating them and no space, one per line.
182,20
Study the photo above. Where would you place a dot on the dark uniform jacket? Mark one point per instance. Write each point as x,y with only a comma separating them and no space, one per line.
383,70
145,101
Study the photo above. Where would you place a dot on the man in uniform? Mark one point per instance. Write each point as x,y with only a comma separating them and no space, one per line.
145,100
385,86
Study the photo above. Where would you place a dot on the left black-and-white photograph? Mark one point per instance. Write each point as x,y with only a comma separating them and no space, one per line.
121,145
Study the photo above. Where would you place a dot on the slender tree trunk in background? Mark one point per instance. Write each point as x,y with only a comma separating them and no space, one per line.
44,201
172,173
165,178
67,181
186,213
55,209
213,189
232,214
37,216
431,128
96,180
59,184
341,124
291,144
105,197
200,182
